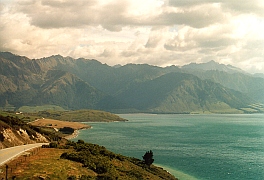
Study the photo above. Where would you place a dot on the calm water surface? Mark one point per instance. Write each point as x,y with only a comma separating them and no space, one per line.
189,146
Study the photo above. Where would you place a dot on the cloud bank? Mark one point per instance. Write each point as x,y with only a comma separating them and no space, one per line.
158,32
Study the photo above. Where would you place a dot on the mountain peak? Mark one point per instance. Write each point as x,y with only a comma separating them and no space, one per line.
212,65
212,62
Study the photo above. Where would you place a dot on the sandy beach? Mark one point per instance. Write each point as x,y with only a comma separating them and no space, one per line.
57,124
176,173
73,135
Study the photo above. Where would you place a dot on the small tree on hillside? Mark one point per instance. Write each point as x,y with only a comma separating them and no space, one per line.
148,158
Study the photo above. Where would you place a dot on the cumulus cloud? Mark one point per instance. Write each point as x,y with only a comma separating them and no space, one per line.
158,32
198,16
253,6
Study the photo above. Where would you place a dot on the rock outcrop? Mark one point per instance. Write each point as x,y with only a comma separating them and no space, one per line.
15,132
11,137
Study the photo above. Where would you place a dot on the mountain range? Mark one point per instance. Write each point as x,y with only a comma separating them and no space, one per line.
88,84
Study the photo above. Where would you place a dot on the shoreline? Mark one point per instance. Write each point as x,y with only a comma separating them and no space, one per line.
176,173
73,135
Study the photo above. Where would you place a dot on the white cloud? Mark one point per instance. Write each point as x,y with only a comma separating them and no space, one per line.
159,32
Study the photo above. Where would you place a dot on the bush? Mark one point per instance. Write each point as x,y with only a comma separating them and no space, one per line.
135,174
64,155
67,130
72,178
105,177
71,143
84,177
80,141
102,167
53,145
89,164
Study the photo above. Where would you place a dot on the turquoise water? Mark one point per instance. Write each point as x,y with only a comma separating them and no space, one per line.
189,146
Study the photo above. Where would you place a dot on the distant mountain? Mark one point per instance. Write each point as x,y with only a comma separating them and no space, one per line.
67,90
212,65
259,75
247,84
25,82
82,83
230,77
179,92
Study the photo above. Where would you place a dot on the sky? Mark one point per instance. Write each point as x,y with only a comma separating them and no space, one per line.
156,32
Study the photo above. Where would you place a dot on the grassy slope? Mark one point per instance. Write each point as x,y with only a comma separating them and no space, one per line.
77,116
59,124
46,163
81,116
34,109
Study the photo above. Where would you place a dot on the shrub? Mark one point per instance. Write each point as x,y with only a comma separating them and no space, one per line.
84,177
67,130
53,145
80,141
64,155
71,178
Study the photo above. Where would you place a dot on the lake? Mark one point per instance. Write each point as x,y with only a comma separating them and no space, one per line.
198,147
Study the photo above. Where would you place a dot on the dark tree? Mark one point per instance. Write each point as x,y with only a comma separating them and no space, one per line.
80,141
67,130
148,158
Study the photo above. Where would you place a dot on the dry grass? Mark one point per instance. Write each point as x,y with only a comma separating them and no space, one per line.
59,124
45,163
